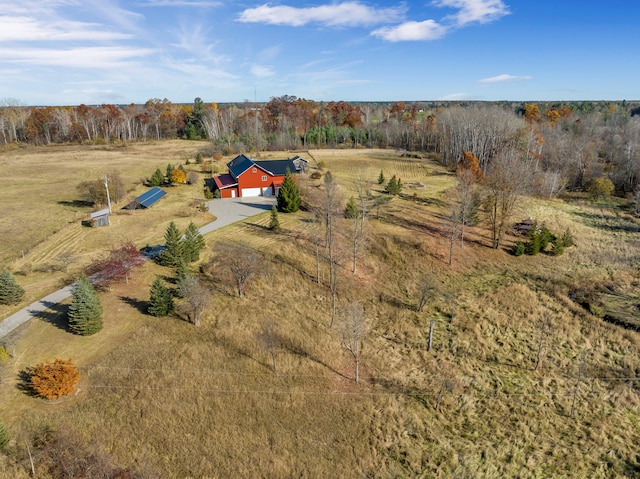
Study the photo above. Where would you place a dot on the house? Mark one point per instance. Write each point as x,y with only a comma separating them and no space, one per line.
249,177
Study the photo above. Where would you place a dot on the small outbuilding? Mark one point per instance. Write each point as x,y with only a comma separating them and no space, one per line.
147,199
100,218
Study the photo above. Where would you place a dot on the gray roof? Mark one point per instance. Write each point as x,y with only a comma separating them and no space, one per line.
277,167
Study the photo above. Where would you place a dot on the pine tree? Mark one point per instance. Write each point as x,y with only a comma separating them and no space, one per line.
157,178
181,271
274,222
161,299
10,291
192,244
85,312
381,178
288,196
4,437
174,246
351,211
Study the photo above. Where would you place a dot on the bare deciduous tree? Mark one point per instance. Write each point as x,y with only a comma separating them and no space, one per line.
240,263
427,287
508,177
354,328
196,294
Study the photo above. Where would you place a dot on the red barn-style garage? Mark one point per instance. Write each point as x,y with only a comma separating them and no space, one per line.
248,177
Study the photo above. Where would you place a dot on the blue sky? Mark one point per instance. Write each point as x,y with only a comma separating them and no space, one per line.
67,52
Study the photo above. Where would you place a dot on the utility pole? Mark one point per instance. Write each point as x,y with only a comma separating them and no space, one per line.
106,185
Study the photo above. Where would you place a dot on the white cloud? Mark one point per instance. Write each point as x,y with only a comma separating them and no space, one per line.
471,11
21,28
179,3
90,57
262,71
334,15
408,31
505,78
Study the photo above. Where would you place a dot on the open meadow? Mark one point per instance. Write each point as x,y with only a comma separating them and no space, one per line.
522,379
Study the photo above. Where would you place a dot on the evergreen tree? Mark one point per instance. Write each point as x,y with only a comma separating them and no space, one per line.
85,312
161,299
351,211
174,246
288,196
534,245
181,271
381,178
394,186
192,244
10,291
274,222
4,437
157,178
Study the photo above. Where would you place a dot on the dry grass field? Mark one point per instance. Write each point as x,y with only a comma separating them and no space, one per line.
163,397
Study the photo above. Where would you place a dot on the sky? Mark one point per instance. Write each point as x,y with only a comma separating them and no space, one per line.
68,52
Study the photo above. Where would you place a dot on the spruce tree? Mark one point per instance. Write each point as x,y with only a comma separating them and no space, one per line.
351,211
85,312
181,271
394,186
381,178
157,178
174,246
4,437
274,222
192,244
10,291
161,299
288,196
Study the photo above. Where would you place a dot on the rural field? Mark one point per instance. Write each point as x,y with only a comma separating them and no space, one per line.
533,370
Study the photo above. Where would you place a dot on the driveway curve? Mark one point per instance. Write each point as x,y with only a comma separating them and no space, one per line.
227,211
232,210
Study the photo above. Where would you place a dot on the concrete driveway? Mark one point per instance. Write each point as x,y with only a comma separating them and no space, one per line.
231,210
227,211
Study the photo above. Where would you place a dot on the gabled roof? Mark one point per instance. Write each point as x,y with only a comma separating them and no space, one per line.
239,165
97,214
225,181
277,167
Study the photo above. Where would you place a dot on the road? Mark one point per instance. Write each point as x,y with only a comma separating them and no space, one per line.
227,211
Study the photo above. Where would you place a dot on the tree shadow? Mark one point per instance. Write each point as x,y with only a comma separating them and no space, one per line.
55,314
235,348
24,383
141,306
76,203
299,351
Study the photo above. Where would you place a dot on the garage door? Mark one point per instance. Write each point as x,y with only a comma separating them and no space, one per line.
250,191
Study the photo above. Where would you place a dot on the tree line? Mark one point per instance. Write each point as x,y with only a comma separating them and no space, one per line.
566,145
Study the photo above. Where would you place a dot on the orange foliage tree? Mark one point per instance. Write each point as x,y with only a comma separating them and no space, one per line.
52,380
469,162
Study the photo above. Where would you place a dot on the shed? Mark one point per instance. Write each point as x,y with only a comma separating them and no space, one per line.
145,200
100,218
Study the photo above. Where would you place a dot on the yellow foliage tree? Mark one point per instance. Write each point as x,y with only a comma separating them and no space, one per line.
553,116
470,162
178,176
52,380
531,112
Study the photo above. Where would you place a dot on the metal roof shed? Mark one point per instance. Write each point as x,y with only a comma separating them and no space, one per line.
100,218
145,200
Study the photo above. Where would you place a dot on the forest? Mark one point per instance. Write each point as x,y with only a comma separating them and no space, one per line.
565,144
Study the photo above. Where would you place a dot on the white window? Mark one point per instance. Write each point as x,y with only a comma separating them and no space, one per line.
264,178
254,170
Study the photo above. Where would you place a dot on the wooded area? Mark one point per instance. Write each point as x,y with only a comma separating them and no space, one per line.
565,145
